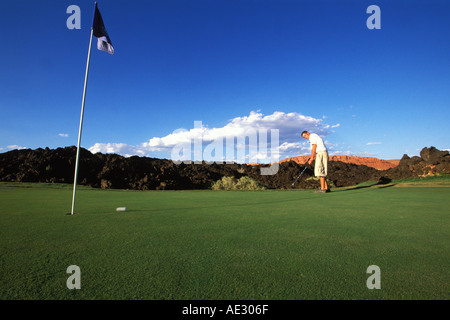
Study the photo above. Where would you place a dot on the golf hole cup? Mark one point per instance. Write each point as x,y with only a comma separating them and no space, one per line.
121,209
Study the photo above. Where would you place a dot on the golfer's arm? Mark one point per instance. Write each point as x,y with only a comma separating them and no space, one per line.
313,151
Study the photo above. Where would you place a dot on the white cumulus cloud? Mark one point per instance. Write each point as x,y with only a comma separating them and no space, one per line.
15,146
118,148
249,131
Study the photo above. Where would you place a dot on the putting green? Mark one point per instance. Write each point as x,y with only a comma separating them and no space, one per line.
273,244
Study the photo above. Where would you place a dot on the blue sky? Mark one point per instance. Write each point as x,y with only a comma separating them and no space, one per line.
233,65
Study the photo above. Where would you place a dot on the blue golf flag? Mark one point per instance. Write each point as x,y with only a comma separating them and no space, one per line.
103,42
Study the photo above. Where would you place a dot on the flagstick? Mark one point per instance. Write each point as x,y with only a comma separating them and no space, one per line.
81,124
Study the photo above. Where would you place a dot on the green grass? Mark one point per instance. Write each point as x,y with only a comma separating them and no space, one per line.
283,244
436,180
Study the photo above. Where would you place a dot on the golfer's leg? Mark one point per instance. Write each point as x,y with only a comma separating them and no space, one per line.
321,171
318,169
322,183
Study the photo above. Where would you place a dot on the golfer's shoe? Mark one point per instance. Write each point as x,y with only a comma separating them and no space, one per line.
320,191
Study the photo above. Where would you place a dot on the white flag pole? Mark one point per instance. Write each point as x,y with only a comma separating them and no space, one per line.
81,123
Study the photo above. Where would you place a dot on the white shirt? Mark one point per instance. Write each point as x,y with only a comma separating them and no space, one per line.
315,139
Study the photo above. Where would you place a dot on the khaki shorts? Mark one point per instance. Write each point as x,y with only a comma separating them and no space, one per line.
321,167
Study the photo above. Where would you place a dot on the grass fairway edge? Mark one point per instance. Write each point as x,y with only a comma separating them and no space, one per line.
274,244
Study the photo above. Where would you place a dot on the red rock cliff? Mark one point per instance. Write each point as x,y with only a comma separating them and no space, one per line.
367,161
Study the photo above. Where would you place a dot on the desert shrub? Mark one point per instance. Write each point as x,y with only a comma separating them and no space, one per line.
247,183
226,183
231,183
329,182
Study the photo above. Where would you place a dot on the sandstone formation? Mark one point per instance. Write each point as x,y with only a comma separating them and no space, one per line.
367,161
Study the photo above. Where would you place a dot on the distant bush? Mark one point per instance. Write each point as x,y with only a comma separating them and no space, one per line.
231,183
226,183
329,182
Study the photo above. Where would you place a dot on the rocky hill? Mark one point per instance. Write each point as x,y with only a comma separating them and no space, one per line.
431,162
143,173
367,161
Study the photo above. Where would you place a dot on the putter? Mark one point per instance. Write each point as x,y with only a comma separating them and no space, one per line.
300,173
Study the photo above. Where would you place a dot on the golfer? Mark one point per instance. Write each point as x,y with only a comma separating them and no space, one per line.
320,154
